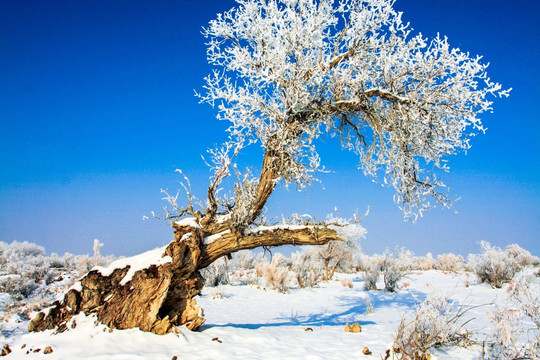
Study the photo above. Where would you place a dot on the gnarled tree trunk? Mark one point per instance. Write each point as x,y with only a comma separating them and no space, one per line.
160,296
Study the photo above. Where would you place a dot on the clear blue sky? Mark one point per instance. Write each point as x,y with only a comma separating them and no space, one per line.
97,111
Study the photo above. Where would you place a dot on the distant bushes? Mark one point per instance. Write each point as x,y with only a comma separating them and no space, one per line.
450,262
32,279
314,264
496,267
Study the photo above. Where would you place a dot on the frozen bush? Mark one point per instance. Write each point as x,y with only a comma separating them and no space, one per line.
17,285
521,256
435,323
57,262
280,260
335,255
517,329
423,263
275,276
347,282
25,259
371,276
260,265
307,268
216,273
493,266
450,262
243,260
395,267
339,255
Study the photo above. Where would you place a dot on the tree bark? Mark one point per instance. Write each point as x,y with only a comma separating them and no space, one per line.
161,297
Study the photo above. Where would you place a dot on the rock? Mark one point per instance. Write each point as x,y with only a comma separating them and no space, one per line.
5,350
366,351
48,350
354,328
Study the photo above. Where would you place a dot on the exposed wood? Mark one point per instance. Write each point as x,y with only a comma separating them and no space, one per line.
230,242
156,299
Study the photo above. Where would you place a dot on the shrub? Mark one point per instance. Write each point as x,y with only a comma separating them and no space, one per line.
435,323
243,260
347,282
275,276
371,276
423,262
395,267
513,324
340,255
307,268
521,256
493,266
450,262
216,273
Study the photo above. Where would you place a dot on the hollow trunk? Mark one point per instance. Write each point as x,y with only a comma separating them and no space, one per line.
160,294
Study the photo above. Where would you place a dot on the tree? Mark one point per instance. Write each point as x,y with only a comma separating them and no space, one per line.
286,73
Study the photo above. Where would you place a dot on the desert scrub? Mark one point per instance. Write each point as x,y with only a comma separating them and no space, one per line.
495,266
436,323
516,333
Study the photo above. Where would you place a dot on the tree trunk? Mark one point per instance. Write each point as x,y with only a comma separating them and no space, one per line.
160,296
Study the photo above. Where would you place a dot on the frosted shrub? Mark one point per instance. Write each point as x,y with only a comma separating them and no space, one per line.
17,285
423,262
280,260
493,266
450,262
260,265
521,256
25,259
371,276
216,273
395,267
435,323
517,329
347,282
23,266
339,255
307,268
243,260
275,276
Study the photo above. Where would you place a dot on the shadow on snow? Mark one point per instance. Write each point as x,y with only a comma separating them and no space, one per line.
356,311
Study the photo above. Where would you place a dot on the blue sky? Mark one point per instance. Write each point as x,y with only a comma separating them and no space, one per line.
97,111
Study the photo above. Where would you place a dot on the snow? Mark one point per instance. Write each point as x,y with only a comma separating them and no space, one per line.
192,222
136,263
260,229
210,239
254,323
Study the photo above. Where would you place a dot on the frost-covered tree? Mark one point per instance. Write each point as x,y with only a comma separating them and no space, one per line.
287,72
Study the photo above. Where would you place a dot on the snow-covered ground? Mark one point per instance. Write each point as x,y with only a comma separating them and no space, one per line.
249,322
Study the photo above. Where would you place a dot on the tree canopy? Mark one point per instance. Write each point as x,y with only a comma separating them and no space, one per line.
289,71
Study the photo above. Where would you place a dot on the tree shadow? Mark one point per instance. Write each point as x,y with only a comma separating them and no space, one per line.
356,310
